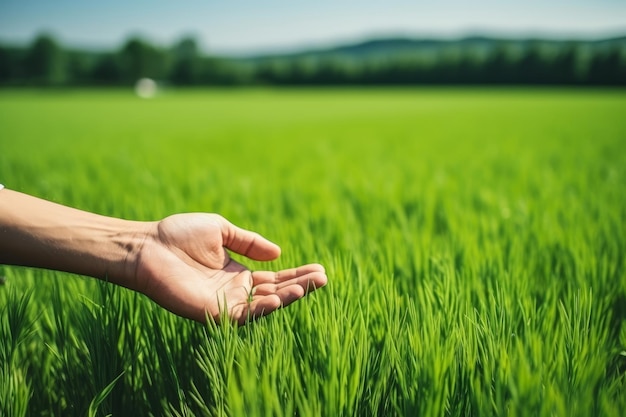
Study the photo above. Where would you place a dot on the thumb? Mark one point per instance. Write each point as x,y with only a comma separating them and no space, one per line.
247,243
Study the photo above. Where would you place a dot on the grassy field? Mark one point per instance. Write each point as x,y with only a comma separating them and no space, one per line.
474,242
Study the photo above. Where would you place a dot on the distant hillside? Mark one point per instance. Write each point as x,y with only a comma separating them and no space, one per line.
392,47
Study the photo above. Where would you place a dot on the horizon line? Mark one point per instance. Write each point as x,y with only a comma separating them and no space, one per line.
313,45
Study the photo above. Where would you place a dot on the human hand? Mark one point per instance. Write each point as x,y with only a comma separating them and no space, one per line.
183,265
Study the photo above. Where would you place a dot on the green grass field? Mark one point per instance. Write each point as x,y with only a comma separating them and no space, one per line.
474,242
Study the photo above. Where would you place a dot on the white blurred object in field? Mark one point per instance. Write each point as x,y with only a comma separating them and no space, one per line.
146,88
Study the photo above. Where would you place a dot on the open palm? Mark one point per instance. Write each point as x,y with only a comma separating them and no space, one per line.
185,267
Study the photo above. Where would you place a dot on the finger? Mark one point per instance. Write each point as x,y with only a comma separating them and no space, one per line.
262,305
290,294
309,282
259,307
247,243
288,274
272,290
262,277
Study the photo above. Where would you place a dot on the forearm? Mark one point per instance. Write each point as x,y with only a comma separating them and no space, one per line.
39,233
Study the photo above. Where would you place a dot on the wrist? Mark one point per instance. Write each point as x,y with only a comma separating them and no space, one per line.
124,242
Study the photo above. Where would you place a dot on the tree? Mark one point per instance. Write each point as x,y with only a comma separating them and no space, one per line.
44,62
107,70
187,64
7,65
498,68
532,66
566,65
139,59
607,67
78,68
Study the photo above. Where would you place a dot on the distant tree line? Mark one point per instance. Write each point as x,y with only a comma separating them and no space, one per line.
46,63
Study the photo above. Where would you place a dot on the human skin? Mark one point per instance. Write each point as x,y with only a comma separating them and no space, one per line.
182,262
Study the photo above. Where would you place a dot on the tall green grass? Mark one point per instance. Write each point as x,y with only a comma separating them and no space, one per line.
474,241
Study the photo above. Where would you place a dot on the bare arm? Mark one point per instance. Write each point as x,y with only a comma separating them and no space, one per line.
39,233
181,262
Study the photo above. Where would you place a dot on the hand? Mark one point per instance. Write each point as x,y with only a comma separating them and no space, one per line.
184,266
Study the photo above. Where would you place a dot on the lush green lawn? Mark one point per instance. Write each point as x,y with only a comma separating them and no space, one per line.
474,241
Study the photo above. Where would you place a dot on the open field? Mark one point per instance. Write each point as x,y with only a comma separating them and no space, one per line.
474,241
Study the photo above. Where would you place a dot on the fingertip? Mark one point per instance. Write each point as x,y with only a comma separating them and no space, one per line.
315,267
249,243
319,278
275,251
265,250
316,281
310,269
321,281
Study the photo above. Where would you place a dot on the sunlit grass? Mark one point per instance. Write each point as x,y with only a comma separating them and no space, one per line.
474,241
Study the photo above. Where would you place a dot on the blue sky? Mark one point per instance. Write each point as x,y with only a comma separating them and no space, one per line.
252,26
